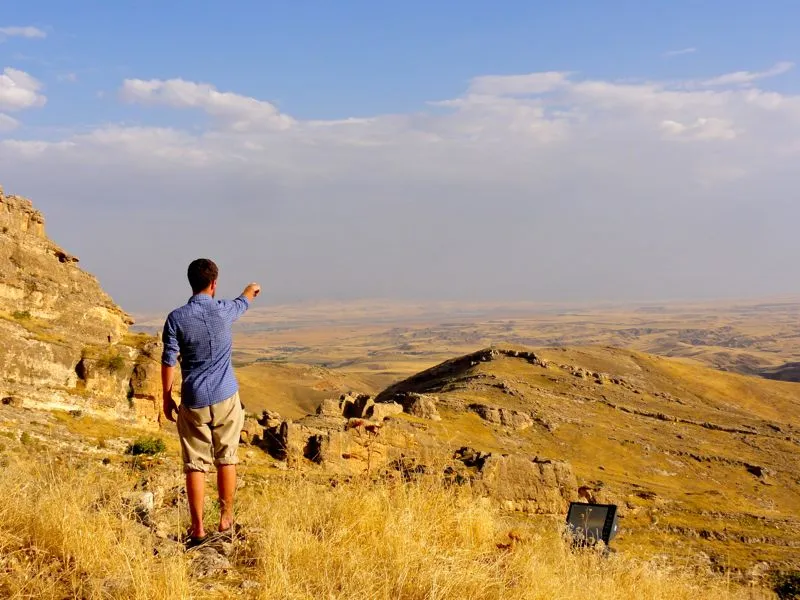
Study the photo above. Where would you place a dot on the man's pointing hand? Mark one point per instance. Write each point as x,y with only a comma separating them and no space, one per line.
251,291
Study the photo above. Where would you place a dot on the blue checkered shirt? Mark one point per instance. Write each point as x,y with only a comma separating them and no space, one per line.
200,331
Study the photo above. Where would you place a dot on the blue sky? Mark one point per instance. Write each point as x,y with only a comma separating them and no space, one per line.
363,149
330,60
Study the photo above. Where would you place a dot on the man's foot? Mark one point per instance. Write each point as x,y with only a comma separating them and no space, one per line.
227,533
196,542
225,524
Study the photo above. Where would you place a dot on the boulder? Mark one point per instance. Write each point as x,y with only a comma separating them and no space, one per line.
383,410
515,419
503,416
208,561
420,405
471,457
141,503
252,431
270,419
527,484
487,413
355,406
288,441
340,445
330,408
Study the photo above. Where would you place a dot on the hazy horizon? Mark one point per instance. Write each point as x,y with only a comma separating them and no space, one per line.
565,154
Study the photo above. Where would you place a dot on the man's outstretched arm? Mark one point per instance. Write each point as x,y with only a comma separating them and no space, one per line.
237,307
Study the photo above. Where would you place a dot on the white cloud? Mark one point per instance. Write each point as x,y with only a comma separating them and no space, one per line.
7,123
68,77
700,129
745,77
18,90
528,111
681,52
238,112
23,32
521,183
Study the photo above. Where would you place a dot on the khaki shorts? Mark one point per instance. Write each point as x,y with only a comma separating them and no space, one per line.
210,435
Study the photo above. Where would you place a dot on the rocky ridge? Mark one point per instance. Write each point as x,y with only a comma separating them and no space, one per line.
65,342
356,435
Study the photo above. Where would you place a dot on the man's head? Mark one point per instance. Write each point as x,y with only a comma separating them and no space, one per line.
203,274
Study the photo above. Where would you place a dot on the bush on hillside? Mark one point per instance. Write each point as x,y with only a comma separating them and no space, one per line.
146,445
113,363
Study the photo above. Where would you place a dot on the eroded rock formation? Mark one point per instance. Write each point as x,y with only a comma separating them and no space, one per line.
65,342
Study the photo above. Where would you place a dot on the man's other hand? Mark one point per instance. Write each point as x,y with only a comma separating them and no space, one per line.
251,291
170,408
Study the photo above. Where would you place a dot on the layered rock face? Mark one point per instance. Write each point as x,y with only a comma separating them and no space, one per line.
64,340
354,435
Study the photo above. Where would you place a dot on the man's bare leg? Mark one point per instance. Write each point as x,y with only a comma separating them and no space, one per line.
226,484
196,490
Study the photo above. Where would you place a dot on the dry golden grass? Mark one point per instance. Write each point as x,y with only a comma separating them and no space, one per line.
424,541
65,533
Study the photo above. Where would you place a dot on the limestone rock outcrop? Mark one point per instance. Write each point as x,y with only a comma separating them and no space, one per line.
345,445
522,483
65,342
514,419
358,406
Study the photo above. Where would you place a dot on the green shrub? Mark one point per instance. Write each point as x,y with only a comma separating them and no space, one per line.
25,439
21,315
146,445
115,363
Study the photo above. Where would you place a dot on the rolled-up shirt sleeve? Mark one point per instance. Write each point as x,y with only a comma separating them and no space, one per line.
169,356
235,308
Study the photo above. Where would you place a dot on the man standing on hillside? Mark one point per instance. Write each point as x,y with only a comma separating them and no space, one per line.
210,416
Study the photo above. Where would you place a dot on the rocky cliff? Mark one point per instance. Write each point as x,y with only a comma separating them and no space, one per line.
65,343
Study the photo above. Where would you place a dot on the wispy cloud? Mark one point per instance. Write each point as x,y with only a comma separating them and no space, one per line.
682,51
701,129
745,77
18,90
239,112
23,32
67,77
7,123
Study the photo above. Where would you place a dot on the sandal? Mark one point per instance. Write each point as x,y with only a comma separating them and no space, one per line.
195,542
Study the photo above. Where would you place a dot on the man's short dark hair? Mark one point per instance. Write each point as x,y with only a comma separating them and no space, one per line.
202,273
